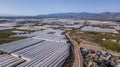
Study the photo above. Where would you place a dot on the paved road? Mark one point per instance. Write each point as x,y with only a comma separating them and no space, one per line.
78,61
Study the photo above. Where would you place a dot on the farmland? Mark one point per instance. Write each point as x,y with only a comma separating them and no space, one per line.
106,40
5,36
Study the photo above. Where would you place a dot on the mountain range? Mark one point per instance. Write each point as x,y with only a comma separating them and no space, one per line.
85,15
82,15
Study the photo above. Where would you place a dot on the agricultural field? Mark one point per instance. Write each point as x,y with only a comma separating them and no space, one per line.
5,35
109,41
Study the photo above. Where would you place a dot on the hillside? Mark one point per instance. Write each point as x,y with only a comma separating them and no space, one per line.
84,15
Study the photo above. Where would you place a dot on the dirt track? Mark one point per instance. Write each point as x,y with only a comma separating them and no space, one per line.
78,61
94,46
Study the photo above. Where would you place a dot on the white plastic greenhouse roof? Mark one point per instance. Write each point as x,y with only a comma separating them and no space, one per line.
43,54
97,29
42,50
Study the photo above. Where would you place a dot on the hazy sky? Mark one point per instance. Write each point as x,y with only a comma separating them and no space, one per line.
35,7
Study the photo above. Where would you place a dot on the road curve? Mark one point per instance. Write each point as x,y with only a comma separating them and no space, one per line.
78,61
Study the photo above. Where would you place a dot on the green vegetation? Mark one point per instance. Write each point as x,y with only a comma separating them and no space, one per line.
75,36
111,45
51,33
112,40
5,36
104,26
1,52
